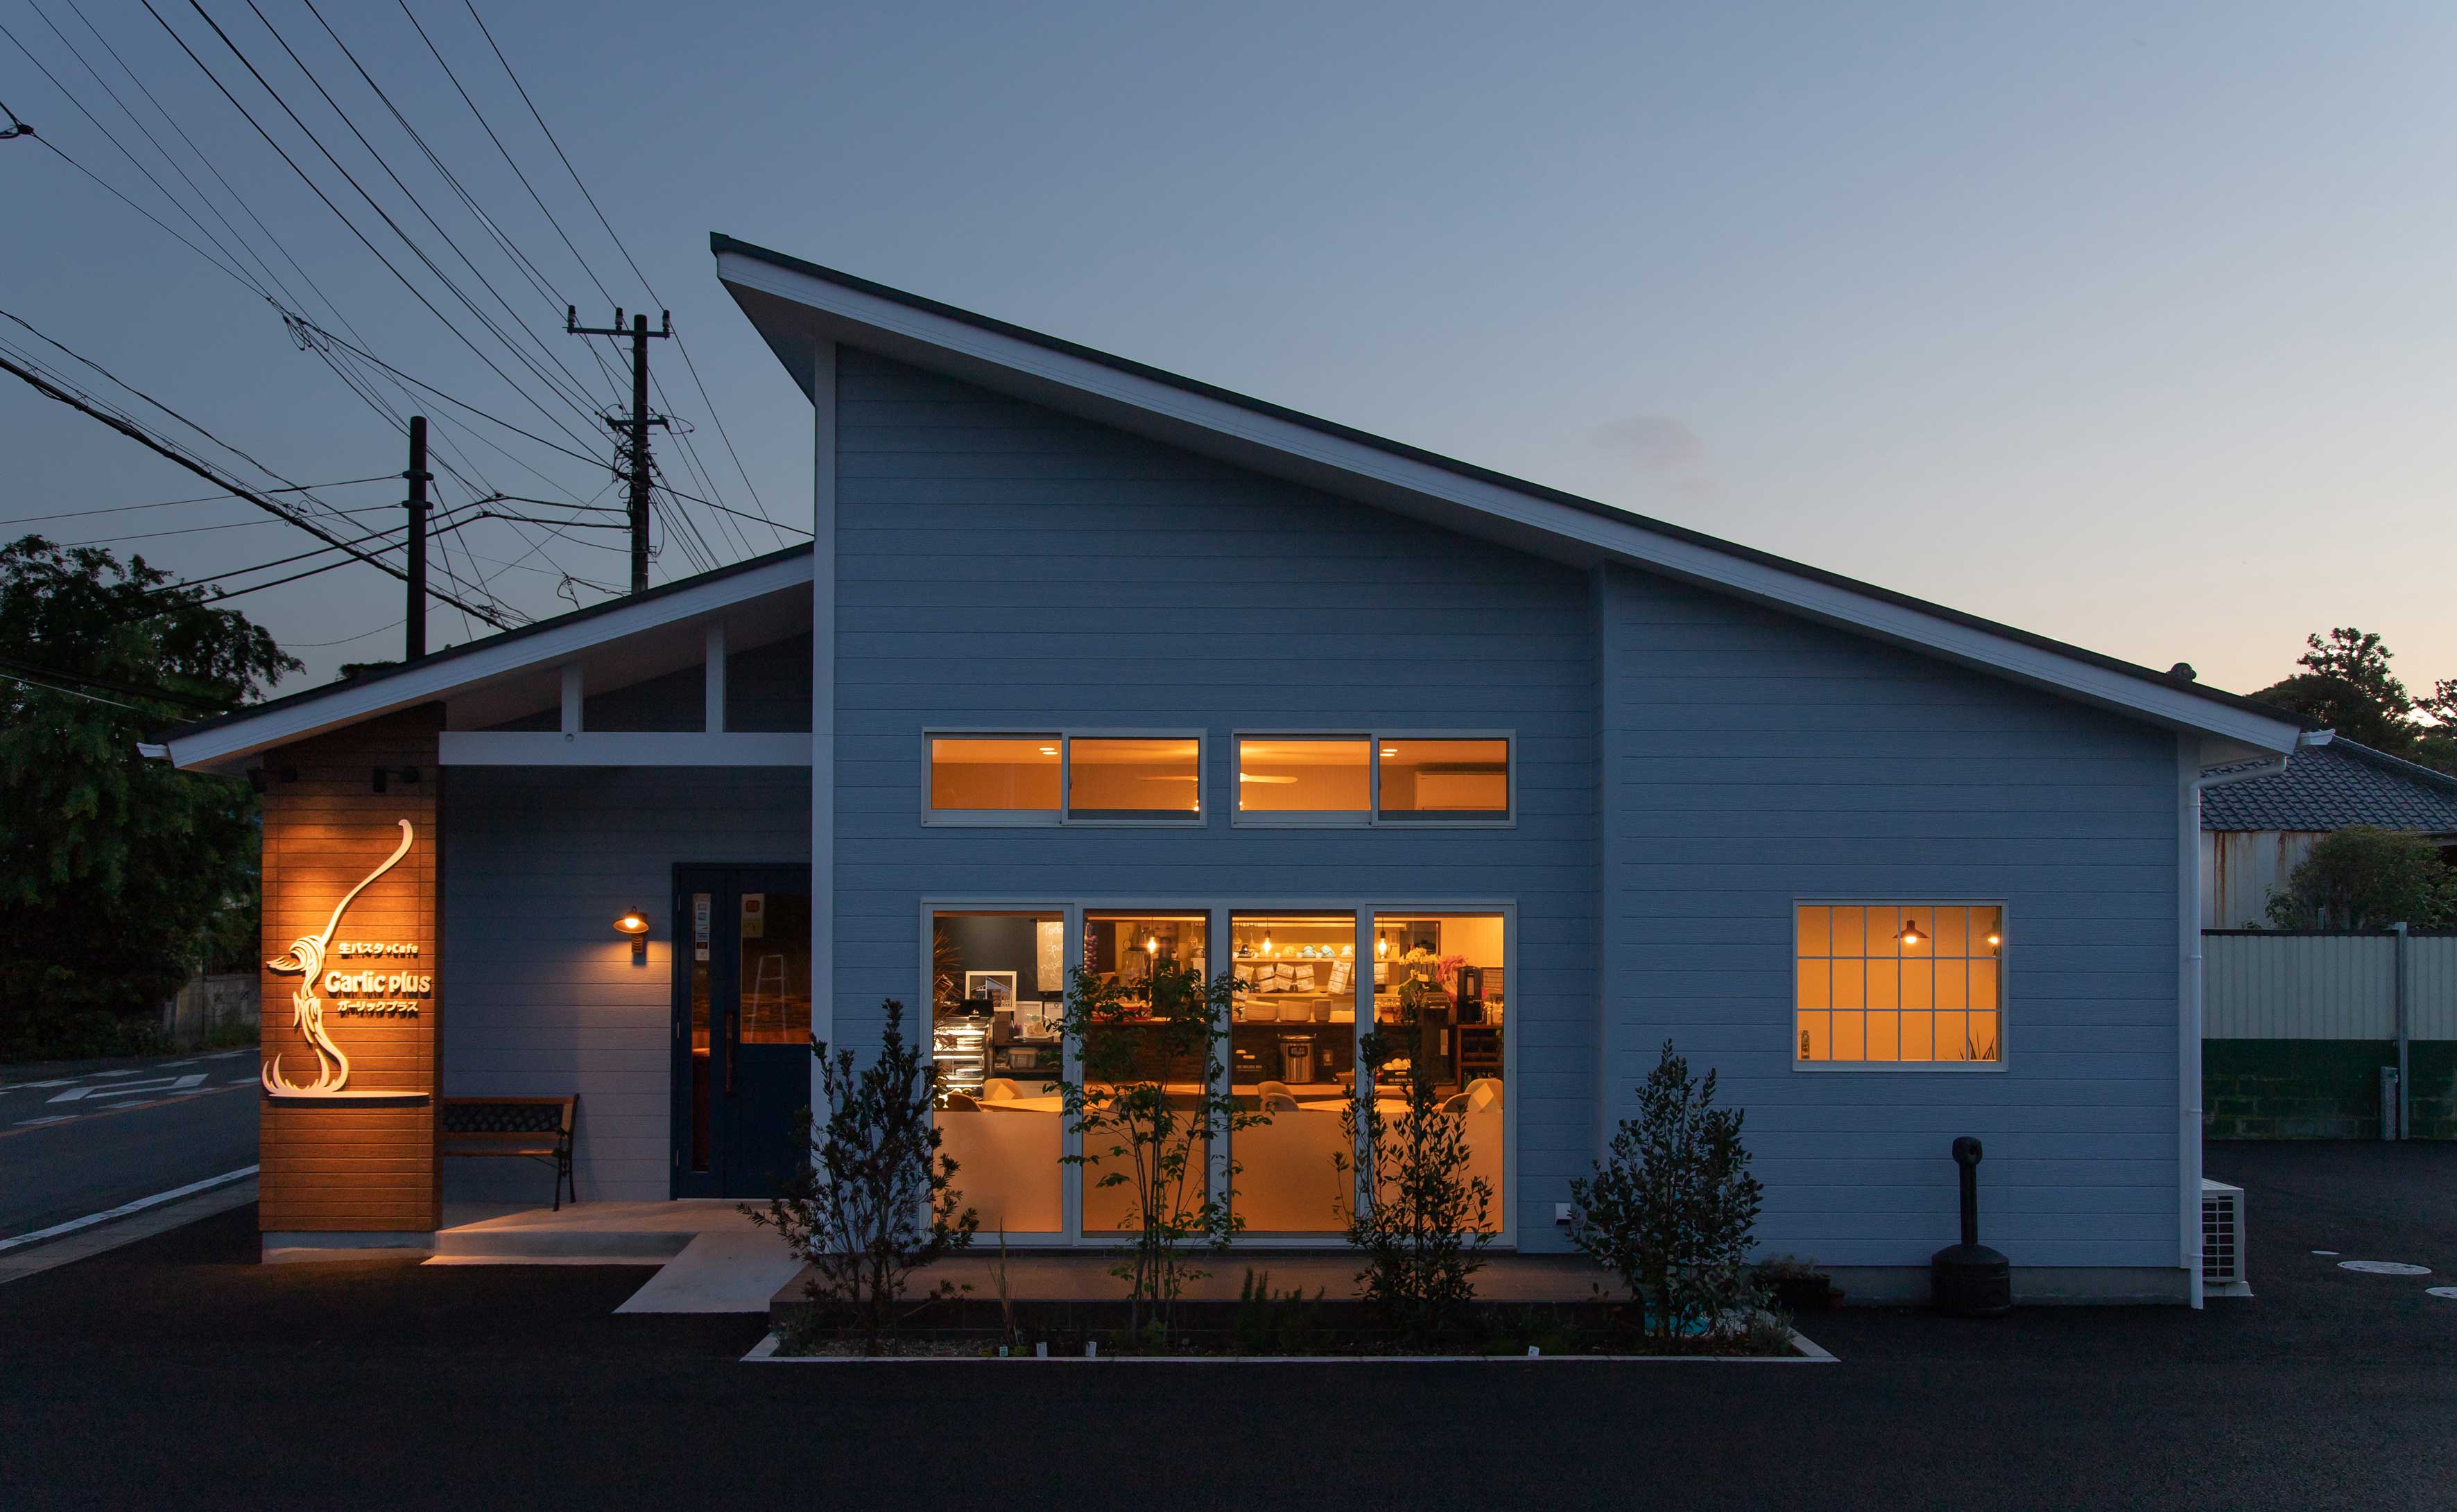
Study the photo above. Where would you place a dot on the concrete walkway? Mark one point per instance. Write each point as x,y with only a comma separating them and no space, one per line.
710,1258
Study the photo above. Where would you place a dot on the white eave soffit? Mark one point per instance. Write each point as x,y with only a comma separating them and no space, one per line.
550,643
1373,475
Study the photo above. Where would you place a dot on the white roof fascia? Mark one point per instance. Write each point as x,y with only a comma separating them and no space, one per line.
551,645
1692,560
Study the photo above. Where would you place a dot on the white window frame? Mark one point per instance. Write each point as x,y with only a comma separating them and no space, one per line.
1915,1068
1062,816
1372,817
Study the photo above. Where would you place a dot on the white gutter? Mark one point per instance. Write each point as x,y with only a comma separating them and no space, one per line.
153,753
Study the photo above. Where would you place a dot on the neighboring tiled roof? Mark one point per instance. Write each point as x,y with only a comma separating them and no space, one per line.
2333,786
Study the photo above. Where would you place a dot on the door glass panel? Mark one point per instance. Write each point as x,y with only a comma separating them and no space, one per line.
996,1002
1127,1048
1292,1059
775,968
701,919
1440,992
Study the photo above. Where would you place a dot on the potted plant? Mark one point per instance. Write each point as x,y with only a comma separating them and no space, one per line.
1797,1285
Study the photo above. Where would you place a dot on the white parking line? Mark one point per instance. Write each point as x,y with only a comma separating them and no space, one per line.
57,1117
126,1207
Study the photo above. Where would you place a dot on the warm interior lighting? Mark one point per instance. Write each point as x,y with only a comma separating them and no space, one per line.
1049,750
1151,945
1910,935
1995,939
1382,947
1267,942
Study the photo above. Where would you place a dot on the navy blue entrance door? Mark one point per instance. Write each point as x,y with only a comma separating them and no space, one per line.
742,1027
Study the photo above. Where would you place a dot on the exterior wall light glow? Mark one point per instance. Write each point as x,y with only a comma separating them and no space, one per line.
635,924
1910,937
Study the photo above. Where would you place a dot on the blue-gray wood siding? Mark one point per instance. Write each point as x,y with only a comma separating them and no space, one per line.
1753,759
540,996
1003,566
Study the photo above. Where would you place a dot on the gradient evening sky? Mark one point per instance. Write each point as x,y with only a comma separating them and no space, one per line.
2130,326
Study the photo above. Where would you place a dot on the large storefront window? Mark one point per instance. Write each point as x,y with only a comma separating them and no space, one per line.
1125,948
997,993
1292,1059
1440,991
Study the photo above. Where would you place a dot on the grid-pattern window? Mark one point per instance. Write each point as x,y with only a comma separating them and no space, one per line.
1899,982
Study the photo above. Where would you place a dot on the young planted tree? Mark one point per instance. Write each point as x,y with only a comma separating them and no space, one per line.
1671,1211
1422,1231
878,1201
1147,1105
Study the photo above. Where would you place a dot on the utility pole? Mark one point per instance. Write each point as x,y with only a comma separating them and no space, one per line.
634,428
414,643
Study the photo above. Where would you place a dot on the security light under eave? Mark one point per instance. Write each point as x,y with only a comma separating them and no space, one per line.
635,924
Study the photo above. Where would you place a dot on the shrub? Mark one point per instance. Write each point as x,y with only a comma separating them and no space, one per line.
1423,1230
1671,1211
2367,878
878,1201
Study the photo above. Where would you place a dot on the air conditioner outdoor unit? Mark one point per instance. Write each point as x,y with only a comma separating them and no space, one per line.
2222,1241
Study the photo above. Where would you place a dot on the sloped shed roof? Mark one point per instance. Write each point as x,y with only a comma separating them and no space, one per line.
2332,786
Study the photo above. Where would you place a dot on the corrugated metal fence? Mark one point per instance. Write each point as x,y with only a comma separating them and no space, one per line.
2278,985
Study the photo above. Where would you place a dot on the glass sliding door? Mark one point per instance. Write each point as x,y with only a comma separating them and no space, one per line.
1135,1068
1441,998
996,989
1292,1059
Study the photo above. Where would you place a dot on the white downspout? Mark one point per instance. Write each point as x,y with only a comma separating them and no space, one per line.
2190,781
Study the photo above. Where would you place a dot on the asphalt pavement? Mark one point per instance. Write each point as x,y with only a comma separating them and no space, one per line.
76,1145
177,1371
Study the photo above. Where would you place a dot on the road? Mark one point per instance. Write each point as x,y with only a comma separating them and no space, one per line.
74,1145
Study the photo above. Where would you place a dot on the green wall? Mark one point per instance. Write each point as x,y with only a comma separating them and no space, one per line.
2321,1089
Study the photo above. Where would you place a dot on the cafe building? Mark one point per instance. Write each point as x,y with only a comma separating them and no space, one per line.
1094,667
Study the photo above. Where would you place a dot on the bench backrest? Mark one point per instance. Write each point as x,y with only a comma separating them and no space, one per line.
506,1115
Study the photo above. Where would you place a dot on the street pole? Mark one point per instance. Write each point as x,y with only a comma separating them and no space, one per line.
637,467
414,642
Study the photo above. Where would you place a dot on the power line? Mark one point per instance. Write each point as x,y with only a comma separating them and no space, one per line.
579,183
202,498
203,470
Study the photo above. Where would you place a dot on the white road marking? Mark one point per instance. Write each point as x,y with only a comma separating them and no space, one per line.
57,1117
127,1088
244,1081
193,1078
2383,1268
168,1064
107,1073
126,1207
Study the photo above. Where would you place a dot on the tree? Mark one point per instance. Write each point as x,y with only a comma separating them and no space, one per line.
1671,1210
1423,1230
2346,685
118,875
2367,878
878,1201
1143,1130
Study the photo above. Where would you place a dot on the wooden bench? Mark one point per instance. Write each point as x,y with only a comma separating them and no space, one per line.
529,1128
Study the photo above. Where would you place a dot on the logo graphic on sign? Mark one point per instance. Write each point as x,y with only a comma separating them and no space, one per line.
306,956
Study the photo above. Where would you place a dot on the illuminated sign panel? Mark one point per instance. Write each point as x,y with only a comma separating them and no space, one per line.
378,993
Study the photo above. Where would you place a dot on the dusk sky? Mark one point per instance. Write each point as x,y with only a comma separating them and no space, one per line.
2135,328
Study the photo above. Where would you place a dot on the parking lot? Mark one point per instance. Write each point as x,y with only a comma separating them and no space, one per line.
177,1372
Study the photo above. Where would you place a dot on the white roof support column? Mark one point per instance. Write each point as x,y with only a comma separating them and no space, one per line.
571,697
823,710
714,723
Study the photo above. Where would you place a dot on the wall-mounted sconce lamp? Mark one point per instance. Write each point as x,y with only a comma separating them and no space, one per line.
407,774
1995,939
635,924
